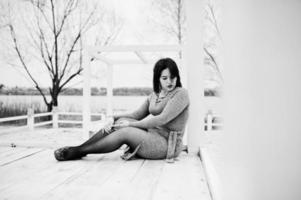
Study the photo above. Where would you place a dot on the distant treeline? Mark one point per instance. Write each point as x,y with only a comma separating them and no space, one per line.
121,91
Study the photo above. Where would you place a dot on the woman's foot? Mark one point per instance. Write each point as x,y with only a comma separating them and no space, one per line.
68,153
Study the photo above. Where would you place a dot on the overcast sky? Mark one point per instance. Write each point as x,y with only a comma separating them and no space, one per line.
136,30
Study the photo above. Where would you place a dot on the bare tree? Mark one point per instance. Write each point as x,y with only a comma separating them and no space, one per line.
54,31
172,18
213,37
2,15
172,21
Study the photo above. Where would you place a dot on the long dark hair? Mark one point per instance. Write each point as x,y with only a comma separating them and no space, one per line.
161,65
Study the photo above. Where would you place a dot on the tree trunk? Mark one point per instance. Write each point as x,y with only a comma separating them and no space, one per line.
49,109
55,100
49,106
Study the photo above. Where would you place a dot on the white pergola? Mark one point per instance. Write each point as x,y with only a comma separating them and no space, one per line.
191,62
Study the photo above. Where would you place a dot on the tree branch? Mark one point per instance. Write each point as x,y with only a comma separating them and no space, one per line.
39,7
213,20
13,35
71,6
211,57
70,78
69,54
55,39
82,29
43,45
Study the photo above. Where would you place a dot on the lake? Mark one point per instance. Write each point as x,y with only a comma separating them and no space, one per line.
73,103
98,103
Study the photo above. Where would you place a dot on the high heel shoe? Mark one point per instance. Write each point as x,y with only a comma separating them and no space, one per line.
67,153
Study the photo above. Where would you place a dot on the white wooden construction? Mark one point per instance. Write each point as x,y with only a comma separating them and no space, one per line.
210,123
31,124
192,63
33,173
132,180
93,52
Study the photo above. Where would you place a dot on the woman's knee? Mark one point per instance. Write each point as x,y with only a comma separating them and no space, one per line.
123,119
123,132
130,133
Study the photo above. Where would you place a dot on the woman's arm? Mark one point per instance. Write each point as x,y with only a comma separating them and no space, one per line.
173,108
138,114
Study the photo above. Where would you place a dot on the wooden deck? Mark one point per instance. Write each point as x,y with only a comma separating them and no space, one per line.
33,173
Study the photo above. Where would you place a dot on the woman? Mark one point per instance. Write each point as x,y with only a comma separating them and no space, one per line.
154,131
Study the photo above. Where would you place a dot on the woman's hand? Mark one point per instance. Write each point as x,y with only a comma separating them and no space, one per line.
109,124
122,124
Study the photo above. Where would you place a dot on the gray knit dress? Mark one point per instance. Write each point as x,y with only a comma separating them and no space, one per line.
164,119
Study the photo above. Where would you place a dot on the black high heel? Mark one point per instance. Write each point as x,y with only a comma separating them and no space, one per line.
65,153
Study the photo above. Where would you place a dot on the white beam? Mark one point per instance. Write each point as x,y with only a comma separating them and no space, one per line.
102,58
193,60
125,62
86,96
110,71
142,58
133,48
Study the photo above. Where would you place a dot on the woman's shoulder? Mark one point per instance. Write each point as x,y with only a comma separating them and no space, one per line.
152,95
180,92
183,90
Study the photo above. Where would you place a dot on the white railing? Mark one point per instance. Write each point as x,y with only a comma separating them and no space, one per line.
55,119
212,121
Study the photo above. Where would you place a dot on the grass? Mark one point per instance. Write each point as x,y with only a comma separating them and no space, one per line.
19,109
75,118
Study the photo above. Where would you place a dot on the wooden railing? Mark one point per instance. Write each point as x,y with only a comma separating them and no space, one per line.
54,120
212,121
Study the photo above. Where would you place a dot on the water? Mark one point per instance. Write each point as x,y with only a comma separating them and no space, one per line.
74,103
98,103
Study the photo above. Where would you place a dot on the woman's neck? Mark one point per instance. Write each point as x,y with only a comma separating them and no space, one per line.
165,92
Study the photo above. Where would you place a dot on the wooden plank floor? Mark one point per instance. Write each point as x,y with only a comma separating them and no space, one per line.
33,173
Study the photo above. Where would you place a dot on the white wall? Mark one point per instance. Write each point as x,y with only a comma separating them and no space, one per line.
262,144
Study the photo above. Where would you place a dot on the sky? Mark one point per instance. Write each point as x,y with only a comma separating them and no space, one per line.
138,28
135,30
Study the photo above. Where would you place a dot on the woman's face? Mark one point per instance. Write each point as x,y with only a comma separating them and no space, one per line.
167,82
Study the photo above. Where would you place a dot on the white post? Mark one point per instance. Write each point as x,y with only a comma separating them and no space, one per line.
110,70
55,117
86,96
184,80
209,120
30,118
102,116
193,60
